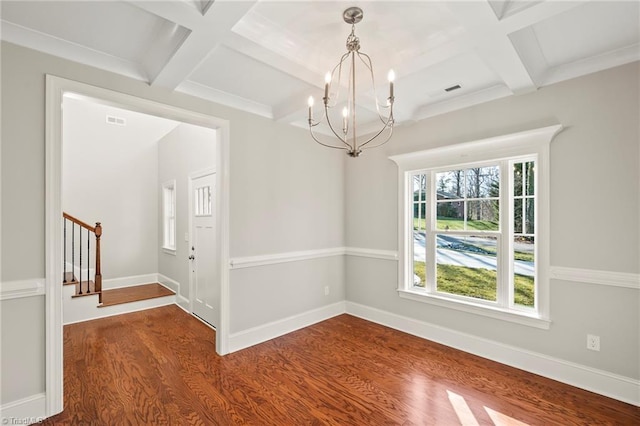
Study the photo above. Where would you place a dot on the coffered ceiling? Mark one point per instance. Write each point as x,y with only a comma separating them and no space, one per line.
268,56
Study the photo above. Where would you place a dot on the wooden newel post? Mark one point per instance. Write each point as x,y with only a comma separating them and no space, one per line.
98,278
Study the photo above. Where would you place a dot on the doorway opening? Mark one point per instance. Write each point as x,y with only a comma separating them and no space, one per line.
57,88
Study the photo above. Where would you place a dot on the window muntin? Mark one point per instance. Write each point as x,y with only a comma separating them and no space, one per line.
169,216
473,236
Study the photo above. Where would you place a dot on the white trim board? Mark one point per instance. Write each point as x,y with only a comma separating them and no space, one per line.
113,283
579,275
29,410
22,288
296,256
262,333
292,256
604,383
591,276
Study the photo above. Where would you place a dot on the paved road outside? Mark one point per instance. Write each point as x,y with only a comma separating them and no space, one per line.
447,256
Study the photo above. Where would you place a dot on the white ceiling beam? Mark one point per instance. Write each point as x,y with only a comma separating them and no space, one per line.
211,31
493,44
268,57
179,12
535,14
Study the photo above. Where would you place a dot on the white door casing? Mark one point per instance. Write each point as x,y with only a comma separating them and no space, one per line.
56,88
202,253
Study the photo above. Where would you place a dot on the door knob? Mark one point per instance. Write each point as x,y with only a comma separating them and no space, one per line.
192,257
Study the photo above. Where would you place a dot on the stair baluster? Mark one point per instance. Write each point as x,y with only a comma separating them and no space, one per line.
64,251
80,270
88,260
97,231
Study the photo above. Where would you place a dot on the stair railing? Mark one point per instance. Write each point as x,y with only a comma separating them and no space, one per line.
78,245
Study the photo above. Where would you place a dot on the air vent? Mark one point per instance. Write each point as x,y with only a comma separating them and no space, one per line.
452,88
118,121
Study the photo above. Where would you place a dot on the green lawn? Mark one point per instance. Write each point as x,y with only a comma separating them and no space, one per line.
478,283
458,224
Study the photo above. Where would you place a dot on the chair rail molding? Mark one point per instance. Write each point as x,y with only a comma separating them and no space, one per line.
295,256
592,276
22,288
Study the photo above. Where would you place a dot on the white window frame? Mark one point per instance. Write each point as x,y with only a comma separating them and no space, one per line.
532,143
168,217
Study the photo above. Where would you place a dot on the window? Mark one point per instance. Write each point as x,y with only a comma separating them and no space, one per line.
474,226
202,199
169,216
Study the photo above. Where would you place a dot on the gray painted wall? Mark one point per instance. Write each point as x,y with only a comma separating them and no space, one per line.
110,175
286,195
594,212
184,150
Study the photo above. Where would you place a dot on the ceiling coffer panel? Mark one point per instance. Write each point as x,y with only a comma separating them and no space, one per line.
268,56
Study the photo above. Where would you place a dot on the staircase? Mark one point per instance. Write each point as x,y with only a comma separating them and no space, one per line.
84,297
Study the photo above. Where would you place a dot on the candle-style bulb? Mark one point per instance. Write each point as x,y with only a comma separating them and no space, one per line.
391,76
310,101
345,115
327,80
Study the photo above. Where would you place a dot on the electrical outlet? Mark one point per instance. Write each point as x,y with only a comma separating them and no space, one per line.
593,342
326,291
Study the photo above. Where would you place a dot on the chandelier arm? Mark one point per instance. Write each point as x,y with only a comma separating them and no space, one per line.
342,139
388,124
382,143
339,68
369,66
324,144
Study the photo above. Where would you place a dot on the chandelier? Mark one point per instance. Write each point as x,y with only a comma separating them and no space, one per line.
346,133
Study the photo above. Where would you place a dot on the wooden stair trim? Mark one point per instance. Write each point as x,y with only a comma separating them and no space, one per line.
136,293
83,284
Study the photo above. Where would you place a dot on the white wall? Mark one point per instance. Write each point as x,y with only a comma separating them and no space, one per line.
286,194
183,151
594,213
109,175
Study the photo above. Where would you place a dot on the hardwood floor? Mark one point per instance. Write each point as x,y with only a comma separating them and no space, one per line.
160,367
134,294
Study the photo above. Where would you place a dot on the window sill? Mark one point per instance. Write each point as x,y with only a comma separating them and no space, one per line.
170,251
524,318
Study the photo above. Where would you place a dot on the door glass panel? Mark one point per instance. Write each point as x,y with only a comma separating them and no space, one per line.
203,201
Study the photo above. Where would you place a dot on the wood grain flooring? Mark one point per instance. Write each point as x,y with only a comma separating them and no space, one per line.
118,296
159,367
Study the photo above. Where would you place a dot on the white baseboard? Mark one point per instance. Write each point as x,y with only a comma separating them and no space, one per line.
604,383
112,283
183,303
86,309
25,411
256,335
168,282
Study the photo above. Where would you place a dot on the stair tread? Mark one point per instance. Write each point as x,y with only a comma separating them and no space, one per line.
135,293
85,292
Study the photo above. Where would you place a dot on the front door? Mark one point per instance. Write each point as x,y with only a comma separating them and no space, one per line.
203,257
